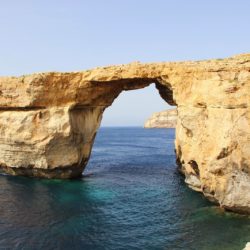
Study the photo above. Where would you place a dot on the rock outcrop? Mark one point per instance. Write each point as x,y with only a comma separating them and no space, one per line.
48,121
163,119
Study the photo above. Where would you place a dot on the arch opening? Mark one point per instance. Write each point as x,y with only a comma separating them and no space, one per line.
133,108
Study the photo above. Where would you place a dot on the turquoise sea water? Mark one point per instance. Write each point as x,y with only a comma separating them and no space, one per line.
131,197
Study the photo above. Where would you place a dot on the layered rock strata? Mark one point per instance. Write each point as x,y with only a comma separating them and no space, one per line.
48,121
163,119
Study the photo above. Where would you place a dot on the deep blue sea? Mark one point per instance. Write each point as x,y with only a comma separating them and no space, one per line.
130,197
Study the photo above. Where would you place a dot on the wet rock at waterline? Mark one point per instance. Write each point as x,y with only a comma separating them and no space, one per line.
48,121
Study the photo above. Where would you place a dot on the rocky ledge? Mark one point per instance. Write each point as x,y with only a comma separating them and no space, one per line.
163,119
48,121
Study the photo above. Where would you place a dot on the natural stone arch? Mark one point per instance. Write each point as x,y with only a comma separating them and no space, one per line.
49,121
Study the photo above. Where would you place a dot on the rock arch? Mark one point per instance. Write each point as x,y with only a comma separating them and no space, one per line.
48,121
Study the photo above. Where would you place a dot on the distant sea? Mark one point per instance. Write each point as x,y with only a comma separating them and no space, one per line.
130,197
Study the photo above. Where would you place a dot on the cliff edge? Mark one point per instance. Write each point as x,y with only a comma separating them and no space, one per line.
48,121
163,119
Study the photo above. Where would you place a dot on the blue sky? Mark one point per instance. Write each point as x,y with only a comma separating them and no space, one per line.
74,35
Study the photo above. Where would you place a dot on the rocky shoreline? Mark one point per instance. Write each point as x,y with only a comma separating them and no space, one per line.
49,121
163,119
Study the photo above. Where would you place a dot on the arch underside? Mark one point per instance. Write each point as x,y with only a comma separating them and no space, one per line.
48,121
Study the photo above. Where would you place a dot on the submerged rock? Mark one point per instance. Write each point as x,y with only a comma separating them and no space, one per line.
48,121
163,119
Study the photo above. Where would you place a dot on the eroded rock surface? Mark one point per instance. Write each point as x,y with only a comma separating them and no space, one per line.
48,121
163,119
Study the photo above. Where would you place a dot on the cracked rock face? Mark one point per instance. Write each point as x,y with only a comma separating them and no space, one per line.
48,121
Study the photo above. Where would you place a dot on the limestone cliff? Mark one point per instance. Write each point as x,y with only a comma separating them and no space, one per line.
163,119
48,121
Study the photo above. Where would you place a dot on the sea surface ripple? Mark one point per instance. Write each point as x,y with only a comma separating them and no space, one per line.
130,197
